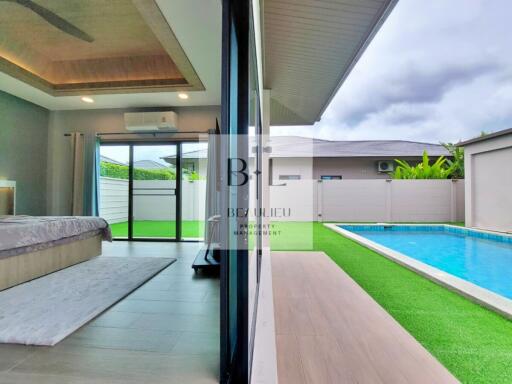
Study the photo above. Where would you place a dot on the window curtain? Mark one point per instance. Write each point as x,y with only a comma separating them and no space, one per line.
86,176
77,191
94,209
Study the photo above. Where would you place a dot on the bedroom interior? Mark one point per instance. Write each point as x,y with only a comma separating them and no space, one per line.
70,72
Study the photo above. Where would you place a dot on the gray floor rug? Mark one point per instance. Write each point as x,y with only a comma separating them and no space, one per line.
46,310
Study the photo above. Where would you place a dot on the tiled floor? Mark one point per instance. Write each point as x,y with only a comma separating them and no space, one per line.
167,331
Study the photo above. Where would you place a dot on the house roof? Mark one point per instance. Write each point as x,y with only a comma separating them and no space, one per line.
296,146
148,164
310,47
486,137
107,159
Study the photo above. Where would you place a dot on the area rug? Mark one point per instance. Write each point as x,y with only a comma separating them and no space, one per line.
46,310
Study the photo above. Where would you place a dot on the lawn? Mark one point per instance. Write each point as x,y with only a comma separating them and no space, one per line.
474,343
162,229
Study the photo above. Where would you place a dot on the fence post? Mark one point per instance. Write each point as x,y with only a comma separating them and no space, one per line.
319,201
453,201
389,208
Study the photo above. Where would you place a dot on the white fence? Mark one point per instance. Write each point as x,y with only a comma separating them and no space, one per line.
114,200
151,200
301,200
370,200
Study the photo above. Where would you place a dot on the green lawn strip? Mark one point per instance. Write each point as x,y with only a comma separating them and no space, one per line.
475,344
165,229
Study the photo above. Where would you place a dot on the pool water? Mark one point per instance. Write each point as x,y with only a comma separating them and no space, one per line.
481,261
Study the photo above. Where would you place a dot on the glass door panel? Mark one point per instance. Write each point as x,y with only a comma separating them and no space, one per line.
194,162
114,182
154,191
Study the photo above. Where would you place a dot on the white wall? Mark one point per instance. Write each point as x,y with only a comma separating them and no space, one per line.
347,167
371,200
292,166
23,152
353,167
489,184
90,122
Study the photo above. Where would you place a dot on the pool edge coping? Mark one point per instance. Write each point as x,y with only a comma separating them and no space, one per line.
473,292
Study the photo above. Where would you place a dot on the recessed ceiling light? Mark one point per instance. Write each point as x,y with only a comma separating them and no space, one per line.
87,99
183,96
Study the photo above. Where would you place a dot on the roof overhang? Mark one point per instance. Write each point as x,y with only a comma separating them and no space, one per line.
310,48
485,137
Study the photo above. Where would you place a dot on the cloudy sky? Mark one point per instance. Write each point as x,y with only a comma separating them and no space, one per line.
438,70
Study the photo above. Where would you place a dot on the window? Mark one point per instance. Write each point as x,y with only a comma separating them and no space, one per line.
289,177
331,177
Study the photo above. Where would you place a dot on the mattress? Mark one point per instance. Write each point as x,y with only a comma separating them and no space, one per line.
22,234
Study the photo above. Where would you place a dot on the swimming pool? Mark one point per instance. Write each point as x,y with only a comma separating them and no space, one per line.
481,258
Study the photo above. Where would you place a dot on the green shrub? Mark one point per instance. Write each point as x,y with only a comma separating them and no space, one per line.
117,171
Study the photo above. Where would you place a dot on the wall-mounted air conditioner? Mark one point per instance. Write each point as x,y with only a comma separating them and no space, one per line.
151,121
385,166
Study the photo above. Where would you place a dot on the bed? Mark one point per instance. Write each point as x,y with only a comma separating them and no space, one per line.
31,247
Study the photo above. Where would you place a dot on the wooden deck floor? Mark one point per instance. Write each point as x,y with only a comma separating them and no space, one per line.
330,331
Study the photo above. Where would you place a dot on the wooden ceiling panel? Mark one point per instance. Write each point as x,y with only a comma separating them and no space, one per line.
62,46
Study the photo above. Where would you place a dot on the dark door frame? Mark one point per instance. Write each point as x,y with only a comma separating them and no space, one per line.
234,330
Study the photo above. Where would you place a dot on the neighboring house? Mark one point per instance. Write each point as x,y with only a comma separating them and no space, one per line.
192,161
148,164
488,175
107,159
295,158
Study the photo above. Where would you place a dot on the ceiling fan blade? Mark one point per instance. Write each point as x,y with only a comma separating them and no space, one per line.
54,19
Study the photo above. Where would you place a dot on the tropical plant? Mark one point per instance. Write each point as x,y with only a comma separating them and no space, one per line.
457,160
424,170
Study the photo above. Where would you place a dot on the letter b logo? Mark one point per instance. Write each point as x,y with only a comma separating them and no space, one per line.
236,171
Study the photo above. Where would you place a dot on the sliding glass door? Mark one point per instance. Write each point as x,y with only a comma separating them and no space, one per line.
194,163
141,189
154,192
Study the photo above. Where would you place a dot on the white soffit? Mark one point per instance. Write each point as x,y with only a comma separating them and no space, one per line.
197,25
310,47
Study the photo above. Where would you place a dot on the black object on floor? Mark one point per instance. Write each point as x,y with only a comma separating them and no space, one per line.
207,259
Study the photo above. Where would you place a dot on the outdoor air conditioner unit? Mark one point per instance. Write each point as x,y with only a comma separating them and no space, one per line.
151,121
385,166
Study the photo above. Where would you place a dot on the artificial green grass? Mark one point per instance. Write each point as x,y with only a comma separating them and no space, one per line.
162,229
475,344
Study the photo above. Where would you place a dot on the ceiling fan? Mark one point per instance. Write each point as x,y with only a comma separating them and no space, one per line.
53,19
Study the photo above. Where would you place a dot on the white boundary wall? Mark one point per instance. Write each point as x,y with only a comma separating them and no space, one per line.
114,200
370,200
